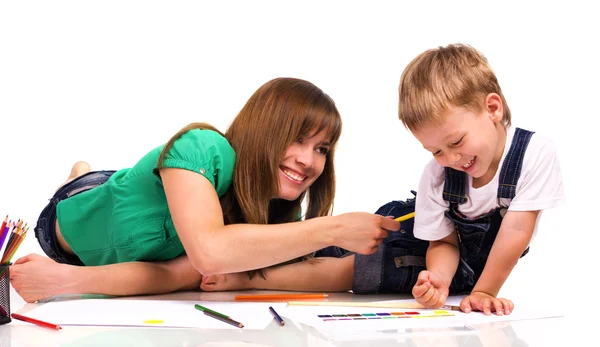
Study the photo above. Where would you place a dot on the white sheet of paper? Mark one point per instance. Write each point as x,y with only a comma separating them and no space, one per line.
149,313
309,315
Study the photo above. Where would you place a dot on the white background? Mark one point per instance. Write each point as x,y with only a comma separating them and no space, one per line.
106,81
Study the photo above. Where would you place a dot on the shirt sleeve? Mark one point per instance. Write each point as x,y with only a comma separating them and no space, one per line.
206,152
431,223
540,185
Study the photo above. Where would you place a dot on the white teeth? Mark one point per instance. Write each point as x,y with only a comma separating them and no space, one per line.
293,175
467,165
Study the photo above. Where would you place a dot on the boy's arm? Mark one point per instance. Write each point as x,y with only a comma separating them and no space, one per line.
320,274
433,284
442,257
513,237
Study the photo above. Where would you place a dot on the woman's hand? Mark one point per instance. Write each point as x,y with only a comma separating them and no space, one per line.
363,232
36,277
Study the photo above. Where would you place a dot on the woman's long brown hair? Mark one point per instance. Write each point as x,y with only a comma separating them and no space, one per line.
277,114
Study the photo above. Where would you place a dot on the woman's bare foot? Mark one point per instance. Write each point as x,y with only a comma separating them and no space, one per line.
78,169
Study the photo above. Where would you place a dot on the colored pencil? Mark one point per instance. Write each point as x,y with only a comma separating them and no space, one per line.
276,316
279,297
3,233
17,231
401,305
405,217
202,308
15,249
36,321
2,228
223,319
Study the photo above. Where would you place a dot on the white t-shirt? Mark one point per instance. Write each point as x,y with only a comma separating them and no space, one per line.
539,187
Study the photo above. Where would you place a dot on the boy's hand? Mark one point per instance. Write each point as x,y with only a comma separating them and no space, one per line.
430,290
486,303
223,282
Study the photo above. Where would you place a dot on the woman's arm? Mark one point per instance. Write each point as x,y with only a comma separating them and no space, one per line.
214,248
35,277
320,274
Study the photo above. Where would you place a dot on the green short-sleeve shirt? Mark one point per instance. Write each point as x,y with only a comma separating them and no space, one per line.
127,218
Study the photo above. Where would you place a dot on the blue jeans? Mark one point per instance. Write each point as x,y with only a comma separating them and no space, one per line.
45,230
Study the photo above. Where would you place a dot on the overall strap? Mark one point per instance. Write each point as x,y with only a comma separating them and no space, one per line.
455,186
511,168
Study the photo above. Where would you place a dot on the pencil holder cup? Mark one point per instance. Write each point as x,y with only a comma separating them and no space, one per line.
4,294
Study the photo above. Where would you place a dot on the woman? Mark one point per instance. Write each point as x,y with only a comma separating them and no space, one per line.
205,203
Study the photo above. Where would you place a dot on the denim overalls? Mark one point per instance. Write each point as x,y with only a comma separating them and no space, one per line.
397,263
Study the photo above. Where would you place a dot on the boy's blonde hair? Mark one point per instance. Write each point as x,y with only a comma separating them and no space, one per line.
454,75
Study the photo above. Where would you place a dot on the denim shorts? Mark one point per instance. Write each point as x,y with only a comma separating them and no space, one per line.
45,230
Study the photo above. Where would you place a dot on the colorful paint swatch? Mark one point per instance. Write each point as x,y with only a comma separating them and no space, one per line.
384,315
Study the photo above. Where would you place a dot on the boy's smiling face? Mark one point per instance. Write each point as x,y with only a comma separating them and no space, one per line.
468,140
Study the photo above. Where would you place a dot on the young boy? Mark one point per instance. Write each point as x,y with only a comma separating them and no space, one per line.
479,200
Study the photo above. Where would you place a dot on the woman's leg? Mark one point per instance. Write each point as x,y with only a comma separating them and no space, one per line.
78,169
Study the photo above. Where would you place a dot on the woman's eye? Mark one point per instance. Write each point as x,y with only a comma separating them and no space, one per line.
323,150
300,140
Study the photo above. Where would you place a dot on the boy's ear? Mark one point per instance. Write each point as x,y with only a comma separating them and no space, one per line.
494,107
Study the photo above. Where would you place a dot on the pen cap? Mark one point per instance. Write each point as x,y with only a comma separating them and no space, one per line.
4,294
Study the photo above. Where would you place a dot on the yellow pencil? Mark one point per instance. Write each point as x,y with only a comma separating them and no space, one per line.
405,217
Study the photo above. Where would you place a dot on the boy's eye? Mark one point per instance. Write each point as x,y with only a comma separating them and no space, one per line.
436,153
457,142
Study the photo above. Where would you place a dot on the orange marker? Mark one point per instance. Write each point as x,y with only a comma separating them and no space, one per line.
279,297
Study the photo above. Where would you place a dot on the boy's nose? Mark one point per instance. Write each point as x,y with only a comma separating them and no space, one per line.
454,158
